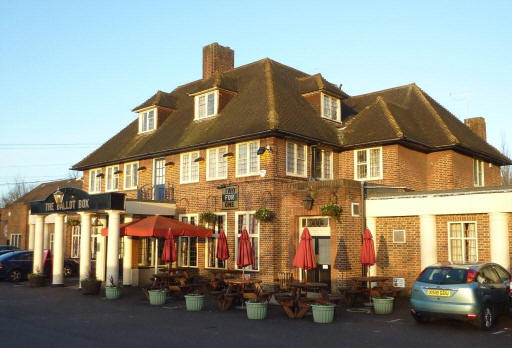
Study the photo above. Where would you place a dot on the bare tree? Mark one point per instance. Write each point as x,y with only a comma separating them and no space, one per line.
18,189
74,174
506,172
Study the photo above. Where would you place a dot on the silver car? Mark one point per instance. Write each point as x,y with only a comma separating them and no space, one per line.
474,292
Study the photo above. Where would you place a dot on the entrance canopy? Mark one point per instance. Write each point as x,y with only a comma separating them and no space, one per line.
158,226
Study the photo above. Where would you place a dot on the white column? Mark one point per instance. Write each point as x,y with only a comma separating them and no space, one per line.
127,256
31,231
155,255
371,224
85,245
37,266
46,236
498,230
101,255
113,246
428,240
58,251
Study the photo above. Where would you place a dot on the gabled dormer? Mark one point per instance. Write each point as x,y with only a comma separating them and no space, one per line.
323,96
206,103
154,111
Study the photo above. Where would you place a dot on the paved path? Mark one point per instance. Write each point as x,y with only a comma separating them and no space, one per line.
62,317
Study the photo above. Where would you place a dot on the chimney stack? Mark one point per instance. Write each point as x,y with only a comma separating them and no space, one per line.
477,125
217,58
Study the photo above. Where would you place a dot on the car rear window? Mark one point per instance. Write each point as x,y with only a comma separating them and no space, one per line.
435,275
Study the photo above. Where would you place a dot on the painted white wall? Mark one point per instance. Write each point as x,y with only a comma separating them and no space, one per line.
428,240
498,226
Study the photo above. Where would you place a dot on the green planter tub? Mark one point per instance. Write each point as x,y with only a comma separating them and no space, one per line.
194,302
256,310
157,297
383,305
323,313
112,292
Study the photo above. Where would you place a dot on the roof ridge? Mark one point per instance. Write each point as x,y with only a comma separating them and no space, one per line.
273,118
436,115
399,133
383,90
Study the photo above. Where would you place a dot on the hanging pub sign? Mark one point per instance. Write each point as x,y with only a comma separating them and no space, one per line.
230,197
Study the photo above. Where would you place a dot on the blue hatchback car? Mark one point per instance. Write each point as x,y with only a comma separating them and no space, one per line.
16,265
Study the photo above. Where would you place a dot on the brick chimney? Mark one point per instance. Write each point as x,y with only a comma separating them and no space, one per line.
217,58
477,125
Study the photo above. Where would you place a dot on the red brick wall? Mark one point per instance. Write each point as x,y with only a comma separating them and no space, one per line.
402,260
17,222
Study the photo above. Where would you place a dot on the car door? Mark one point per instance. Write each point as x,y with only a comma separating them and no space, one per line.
494,285
504,284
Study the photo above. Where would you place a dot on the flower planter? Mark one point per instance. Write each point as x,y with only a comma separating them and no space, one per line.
157,297
383,305
194,302
256,310
36,282
112,292
91,287
323,313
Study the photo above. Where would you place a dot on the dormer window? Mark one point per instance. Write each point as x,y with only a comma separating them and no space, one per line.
331,107
206,105
147,121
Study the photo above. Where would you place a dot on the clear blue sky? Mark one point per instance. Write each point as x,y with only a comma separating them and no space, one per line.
70,72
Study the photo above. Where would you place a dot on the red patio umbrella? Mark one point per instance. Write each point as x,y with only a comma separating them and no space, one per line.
158,226
169,250
305,256
245,253
367,251
122,227
222,247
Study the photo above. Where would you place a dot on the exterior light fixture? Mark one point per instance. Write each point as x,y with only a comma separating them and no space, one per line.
170,163
118,171
96,222
140,169
58,196
262,150
228,154
307,201
199,159
100,175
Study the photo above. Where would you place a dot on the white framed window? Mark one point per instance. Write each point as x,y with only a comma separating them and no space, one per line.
206,105
462,242
331,108
247,159
147,120
16,240
245,219
112,179
478,172
296,159
131,177
216,163
399,236
50,242
95,180
322,168
355,209
368,164
189,168
211,260
187,246
75,242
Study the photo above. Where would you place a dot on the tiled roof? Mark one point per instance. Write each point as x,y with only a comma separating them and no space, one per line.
268,101
43,190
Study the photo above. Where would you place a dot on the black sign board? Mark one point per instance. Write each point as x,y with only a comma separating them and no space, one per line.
230,197
75,200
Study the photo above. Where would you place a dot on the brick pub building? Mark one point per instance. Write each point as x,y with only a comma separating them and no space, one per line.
282,139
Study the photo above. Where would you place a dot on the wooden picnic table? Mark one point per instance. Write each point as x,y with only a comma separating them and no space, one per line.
239,289
297,304
360,287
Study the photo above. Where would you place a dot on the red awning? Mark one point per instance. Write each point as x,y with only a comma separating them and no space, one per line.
158,226
104,231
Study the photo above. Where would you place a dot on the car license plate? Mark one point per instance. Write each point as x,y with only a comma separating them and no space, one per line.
440,293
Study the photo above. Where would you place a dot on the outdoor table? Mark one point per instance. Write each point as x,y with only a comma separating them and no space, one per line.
237,289
365,289
296,305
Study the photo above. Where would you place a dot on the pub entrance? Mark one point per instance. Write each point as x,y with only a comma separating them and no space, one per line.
320,231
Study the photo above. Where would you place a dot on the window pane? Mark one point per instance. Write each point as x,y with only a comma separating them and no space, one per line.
317,169
290,157
108,181
327,111
211,103
375,163
455,231
193,252
334,109
212,163
135,166
456,250
151,120
201,107
327,165
194,167
470,251
222,163
185,167
253,157
470,230
242,159
300,160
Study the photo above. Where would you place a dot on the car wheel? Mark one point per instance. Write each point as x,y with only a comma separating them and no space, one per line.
68,271
419,318
487,318
15,275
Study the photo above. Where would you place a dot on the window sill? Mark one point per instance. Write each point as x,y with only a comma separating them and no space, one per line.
204,118
247,175
188,182
216,179
296,175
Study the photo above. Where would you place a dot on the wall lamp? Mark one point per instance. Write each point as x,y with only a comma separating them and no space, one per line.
117,172
58,196
262,150
228,154
170,163
141,168
100,175
199,159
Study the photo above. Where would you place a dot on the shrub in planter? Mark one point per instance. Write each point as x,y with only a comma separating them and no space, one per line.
331,209
157,297
112,291
91,286
263,214
383,305
194,302
36,280
323,313
207,218
256,310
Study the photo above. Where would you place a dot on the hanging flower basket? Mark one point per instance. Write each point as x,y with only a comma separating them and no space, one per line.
263,214
194,302
207,218
73,222
256,310
323,313
332,210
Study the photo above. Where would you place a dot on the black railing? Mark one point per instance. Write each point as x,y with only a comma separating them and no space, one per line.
162,193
